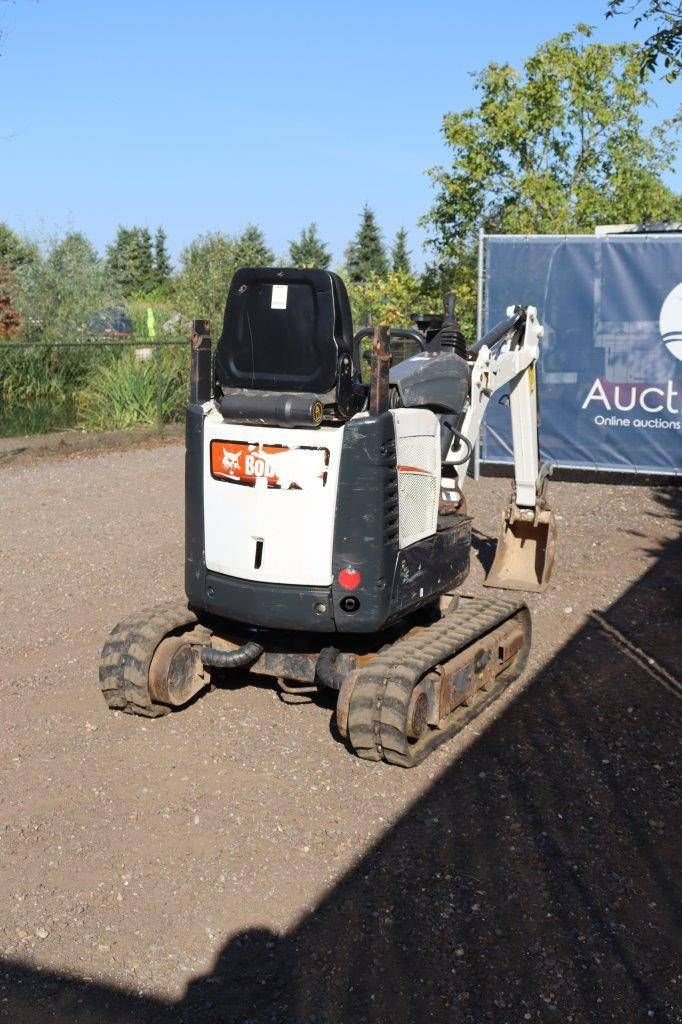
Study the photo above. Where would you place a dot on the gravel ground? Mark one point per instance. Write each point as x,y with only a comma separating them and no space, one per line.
233,862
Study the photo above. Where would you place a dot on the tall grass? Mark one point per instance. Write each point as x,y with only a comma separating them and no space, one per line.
37,388
126,391
94,386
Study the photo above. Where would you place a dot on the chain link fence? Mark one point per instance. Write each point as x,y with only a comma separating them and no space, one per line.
91,384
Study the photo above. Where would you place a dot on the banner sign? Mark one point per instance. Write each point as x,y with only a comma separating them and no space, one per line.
610,370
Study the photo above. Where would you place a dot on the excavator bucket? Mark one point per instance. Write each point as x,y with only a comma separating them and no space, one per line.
525,551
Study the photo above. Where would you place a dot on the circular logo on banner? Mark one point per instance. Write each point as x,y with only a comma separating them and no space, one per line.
670,322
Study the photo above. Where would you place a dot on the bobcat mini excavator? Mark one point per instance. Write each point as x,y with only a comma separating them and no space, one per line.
325,527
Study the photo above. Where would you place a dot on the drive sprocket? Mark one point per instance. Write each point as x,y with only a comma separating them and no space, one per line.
127,656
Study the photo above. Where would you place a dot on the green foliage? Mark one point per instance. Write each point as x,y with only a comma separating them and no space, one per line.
458,276
15,251
60,293
665,43
122,392
400,256
251,249
366,255
162,263
10,318
390,299
93,386
30,374
37,386
130,261
308,250
558,147
164,312
18,256
207,266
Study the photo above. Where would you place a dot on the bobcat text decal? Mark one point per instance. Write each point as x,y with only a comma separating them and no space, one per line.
276,465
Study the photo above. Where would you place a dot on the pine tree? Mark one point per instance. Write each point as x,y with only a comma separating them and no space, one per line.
15,251
130,260
117,260
251,249
162,263
366,254
400,255
308,250
144,259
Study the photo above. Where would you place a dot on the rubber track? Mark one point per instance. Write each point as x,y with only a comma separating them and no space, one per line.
127,654
381,695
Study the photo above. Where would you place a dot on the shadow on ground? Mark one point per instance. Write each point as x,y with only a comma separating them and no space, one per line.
534,881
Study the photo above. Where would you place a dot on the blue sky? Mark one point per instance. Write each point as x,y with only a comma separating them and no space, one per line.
209,115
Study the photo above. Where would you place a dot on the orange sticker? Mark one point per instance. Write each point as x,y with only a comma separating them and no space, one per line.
243,462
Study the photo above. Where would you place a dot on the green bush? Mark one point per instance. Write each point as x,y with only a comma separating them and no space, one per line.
37,387
124,390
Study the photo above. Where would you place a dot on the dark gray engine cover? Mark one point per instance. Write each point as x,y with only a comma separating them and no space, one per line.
433,380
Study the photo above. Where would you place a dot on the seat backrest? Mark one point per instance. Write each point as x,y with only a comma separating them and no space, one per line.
284,330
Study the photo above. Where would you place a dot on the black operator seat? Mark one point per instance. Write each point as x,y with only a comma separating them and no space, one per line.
288,331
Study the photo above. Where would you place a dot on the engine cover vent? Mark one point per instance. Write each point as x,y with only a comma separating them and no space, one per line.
418,464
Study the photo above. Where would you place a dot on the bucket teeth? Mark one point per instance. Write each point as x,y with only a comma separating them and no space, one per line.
525,551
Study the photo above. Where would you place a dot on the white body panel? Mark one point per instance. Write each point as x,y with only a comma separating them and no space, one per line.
417,441
293,521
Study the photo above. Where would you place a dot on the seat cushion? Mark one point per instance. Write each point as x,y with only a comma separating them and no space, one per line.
284,330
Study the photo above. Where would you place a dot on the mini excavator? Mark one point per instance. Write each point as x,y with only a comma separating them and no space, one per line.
326,531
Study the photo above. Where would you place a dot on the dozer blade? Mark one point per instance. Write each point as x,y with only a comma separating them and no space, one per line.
525,551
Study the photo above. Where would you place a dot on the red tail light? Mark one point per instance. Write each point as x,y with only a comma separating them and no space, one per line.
349,578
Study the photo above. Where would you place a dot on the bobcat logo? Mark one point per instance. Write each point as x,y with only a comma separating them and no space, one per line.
231,461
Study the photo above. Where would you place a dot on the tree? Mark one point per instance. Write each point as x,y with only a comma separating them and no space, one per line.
453,275
665,43
10,319
162,263
251,249
17,256
15,251
400,256
63,291
207,265
558,147
130,260
308,250
143,259
366,254
388,299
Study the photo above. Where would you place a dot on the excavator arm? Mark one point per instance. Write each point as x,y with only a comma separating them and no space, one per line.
507,357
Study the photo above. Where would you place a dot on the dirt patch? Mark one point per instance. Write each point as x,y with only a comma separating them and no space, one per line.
233,862
20,451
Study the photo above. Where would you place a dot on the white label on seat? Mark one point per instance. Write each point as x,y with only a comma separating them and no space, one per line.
279,296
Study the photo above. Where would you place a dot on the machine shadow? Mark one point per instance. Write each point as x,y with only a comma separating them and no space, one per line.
484,548
533,881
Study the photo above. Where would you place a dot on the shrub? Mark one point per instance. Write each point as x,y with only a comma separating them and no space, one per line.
123,392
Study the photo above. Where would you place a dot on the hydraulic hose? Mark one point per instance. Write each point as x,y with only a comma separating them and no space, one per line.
239,657
326,671
446,443
469,447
